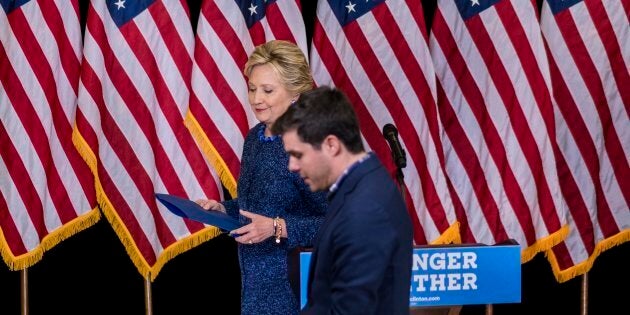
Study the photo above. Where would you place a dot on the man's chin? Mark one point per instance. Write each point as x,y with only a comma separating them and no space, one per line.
312,186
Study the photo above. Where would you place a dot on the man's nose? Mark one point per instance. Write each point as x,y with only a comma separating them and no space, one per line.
293,166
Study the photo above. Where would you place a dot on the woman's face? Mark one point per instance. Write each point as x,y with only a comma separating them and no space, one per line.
267,95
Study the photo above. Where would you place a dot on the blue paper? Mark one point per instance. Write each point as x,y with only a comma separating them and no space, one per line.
186,208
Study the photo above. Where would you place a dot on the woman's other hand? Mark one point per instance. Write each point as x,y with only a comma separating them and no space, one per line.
260,229
210,204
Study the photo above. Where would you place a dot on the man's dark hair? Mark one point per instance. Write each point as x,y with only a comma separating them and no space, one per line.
321,112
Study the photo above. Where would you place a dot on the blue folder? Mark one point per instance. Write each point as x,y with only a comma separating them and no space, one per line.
186,208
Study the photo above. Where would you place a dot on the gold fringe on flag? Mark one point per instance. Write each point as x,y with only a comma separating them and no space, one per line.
180,246
211,153
544,244
33,256
450,236
585,266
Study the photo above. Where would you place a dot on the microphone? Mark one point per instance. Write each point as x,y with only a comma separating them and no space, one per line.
398,154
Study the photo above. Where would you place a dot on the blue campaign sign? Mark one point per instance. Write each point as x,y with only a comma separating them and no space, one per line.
305,261
455,275
465,275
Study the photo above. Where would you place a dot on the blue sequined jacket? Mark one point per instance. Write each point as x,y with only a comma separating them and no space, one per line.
267,187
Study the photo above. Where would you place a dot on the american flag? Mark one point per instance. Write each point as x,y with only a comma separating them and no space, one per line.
376,52
227,33
134,92
589,49
46,189
495,103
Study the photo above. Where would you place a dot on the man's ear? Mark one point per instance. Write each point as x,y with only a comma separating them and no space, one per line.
332,145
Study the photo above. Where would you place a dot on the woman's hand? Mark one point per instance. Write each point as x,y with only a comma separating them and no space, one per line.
260,229
210,204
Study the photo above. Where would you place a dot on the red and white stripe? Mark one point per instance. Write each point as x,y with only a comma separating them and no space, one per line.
589,48
381,61
220,115
495,105
46,189
132,100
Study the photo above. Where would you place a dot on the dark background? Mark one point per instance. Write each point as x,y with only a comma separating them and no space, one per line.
91,273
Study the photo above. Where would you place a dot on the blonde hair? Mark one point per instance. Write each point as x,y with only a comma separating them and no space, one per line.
288,62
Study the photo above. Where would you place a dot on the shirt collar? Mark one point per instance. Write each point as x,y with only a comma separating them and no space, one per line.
345,173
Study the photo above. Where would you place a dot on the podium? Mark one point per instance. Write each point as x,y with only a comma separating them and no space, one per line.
447,276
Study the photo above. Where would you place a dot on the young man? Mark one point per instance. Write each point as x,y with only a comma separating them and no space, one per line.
361,262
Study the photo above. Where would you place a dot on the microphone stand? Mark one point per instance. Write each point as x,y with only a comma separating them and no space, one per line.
400,177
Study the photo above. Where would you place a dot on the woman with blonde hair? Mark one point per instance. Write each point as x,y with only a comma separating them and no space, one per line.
281,211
